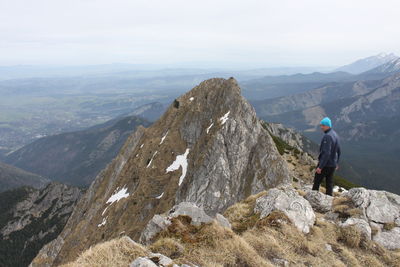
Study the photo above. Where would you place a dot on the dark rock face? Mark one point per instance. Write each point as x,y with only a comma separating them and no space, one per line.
30,218
210,150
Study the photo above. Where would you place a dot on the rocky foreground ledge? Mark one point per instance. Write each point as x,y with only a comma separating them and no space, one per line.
284,226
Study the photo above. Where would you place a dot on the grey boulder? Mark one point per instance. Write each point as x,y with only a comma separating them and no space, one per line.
142,262
360,224
289,202
319,201
389,239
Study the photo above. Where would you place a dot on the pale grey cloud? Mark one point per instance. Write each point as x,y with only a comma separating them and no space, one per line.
269,33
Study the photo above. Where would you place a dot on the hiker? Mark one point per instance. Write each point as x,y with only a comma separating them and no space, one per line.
328,159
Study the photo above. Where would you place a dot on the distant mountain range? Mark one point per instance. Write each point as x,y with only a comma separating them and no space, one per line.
368,63
391,66
369,69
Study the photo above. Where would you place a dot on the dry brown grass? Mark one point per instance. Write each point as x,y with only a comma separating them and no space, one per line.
117,252
301,192
350,235
345,208
210,245
169,247
389,226
241,215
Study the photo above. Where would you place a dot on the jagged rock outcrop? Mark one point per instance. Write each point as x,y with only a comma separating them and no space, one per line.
381,211
376,214
209,148
31,218
294,139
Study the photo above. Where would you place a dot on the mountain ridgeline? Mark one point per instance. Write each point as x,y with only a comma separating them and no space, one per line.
209,148
12,177
76,157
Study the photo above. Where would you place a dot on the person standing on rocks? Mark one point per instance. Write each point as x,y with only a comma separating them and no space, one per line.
329,155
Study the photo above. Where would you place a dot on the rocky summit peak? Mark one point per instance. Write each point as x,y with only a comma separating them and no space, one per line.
209,148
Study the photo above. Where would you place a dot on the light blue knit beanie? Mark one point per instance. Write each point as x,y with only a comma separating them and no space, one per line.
326,121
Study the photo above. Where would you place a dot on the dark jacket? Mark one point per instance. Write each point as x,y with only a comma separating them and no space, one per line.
329,150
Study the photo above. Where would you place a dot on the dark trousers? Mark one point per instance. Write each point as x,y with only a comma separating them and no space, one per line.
327,172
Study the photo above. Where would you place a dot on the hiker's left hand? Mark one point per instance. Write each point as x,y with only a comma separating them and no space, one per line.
319,170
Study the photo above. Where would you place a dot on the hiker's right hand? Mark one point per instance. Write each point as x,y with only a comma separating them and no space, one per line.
337,167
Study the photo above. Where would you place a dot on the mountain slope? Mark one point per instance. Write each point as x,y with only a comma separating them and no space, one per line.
208,148
368,63
150,112
30,218
12,177
76,157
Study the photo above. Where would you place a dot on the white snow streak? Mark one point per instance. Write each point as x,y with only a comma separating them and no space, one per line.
104,211
224,118
118,196
151,160
339,189
103,222
141,145
181,160
162,139
160,196
209,127
191,99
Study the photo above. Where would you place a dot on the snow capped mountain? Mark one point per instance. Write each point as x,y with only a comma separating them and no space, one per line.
389,67
368,63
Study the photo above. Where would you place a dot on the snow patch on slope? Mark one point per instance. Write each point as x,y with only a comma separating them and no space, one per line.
180,161
224,118
163,138
118,196
102,223
151,160
209,127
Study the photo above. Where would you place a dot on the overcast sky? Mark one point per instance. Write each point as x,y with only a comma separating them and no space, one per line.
260,33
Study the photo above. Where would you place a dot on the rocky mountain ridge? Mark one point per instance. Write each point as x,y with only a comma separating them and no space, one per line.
209,176
208,148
